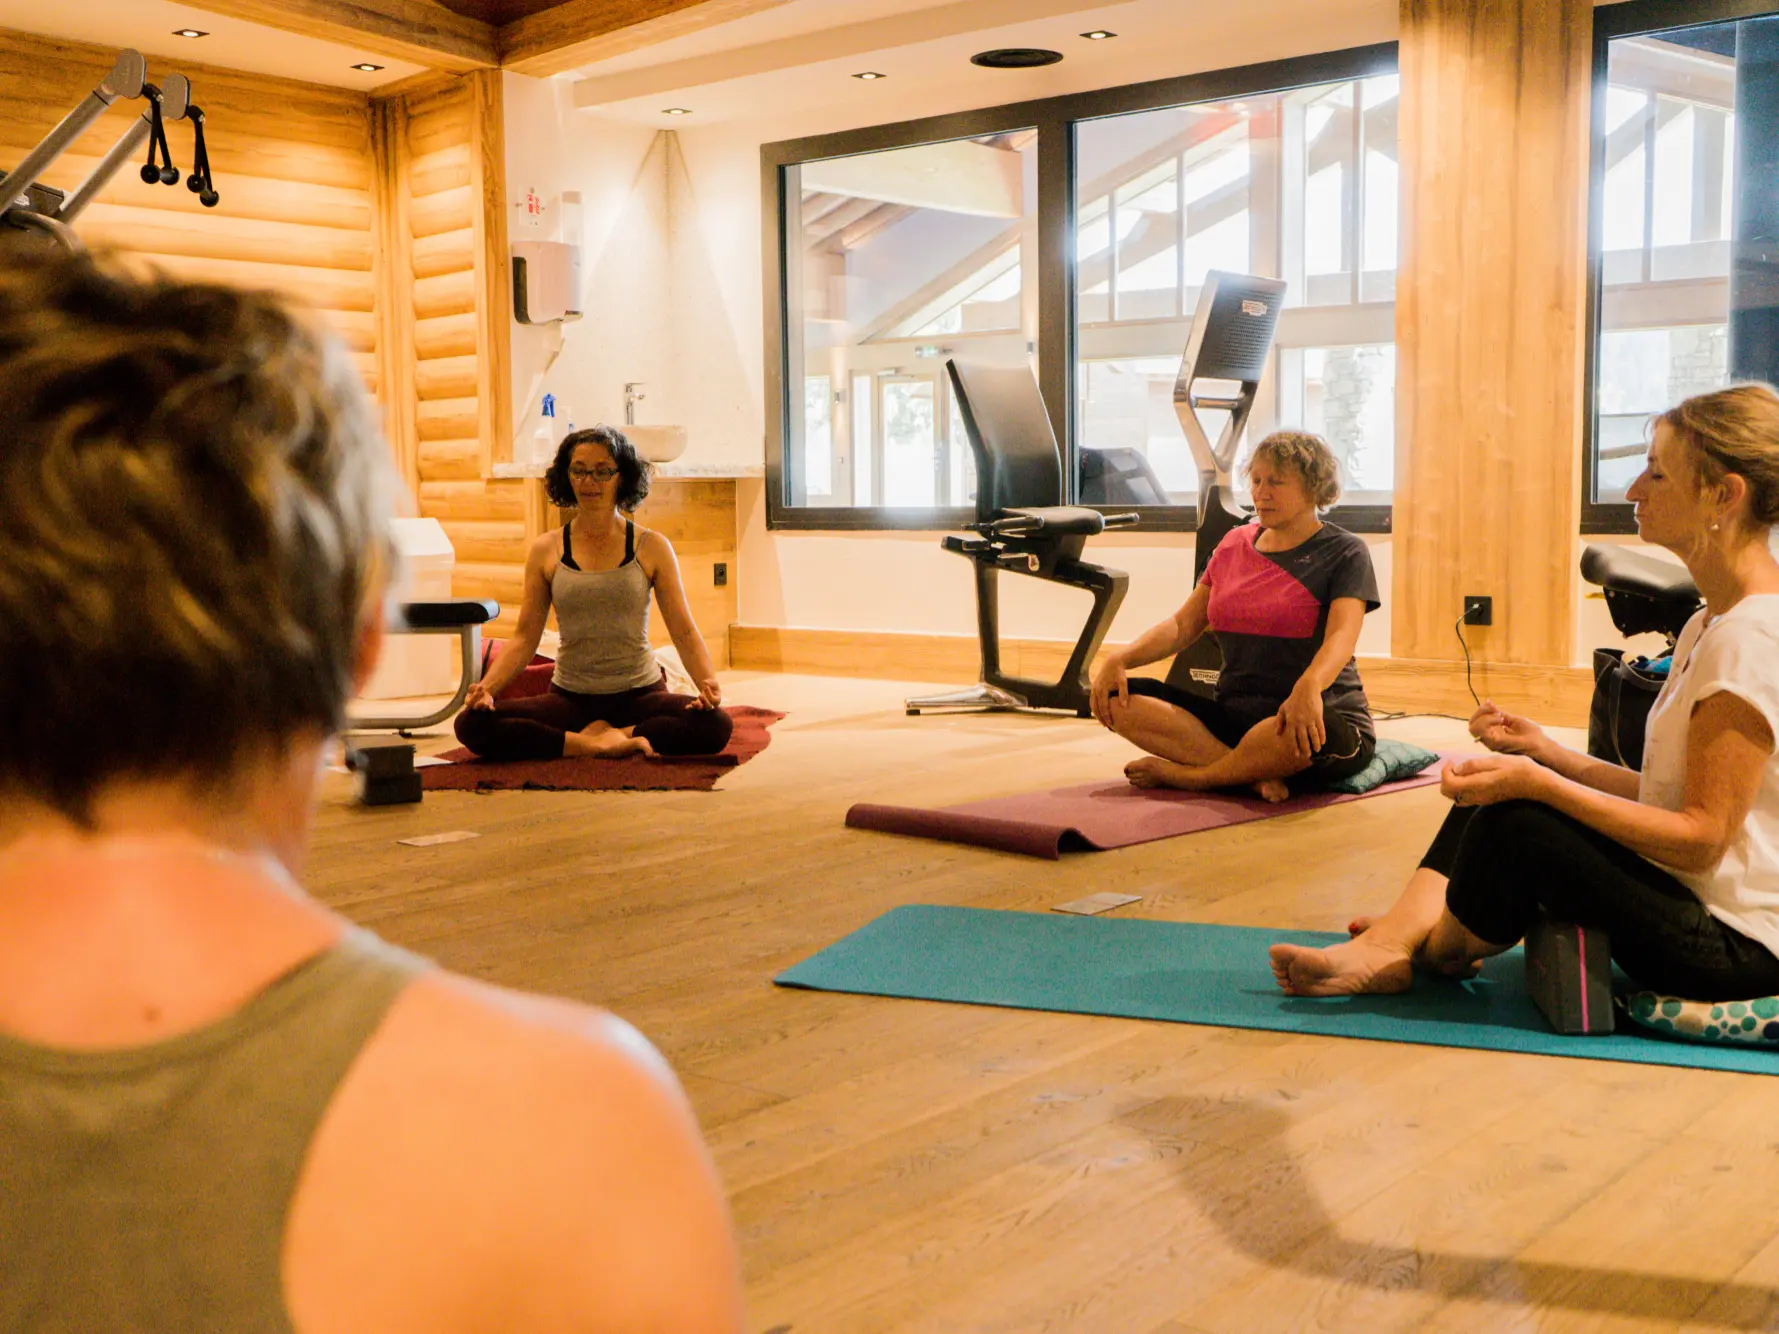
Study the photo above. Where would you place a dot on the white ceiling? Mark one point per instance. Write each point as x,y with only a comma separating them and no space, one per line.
802,55
799,56
148,26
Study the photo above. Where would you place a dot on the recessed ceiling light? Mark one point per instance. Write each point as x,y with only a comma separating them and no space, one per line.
366,67
189,32
677,111
1016,57
869,75
1099,34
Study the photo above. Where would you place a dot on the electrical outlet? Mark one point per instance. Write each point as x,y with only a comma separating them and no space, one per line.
722,574
1479,610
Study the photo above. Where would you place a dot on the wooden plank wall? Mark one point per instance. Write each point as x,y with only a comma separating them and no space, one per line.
447,301
293,162
1489,324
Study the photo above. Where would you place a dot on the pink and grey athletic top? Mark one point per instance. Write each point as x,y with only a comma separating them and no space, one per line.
1269,611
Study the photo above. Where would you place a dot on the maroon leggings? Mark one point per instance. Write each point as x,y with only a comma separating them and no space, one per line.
532,728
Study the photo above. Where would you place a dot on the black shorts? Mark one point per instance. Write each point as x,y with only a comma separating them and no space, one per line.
1344,751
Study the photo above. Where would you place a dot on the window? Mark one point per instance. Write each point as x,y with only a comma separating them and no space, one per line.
1073,236
1299,184
1679,311
905,257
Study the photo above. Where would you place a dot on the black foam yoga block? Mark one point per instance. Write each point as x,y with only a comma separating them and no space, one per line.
389,791
386,774
1569,976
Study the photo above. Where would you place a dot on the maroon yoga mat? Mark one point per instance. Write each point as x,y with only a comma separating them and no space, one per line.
697,773
1093,817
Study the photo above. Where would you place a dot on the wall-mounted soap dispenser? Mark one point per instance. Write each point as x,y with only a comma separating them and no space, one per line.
547,274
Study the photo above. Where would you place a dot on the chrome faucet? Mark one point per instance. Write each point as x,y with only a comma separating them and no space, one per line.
632,396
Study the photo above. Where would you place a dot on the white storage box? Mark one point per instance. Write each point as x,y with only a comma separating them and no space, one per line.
419,664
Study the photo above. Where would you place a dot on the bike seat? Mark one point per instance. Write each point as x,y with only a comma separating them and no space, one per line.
1625,571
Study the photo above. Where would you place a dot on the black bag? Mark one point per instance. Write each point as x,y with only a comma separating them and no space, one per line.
1623,694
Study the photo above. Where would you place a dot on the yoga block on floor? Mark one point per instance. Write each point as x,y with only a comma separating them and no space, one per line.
385,773
1569,976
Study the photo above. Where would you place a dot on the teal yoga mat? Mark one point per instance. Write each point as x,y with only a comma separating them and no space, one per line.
1194,973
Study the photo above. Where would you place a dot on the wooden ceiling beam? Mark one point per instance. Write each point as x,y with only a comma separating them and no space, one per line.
421,31
580,32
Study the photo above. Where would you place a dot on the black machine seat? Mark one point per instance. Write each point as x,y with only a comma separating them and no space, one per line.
1049,521
1024,528
450,614
1642,593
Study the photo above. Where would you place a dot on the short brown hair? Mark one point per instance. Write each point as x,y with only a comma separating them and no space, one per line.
194,506
1307,455
1734,430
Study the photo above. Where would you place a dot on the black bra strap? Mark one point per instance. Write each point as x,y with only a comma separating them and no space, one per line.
629,540
568,549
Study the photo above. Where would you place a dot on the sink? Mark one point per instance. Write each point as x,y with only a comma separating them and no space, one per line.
658,444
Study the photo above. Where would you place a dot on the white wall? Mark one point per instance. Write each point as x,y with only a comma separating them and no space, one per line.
624,335
674,278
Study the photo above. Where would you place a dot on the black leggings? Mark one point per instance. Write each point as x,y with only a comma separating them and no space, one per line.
1345,750
532,728
1506,862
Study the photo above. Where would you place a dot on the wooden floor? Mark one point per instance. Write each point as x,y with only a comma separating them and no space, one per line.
900,1166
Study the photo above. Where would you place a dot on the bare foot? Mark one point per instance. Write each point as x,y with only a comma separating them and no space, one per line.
1272,789
1360,925
606,741
1357,967
1153,771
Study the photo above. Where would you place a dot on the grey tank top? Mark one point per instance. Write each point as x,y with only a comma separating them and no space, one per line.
145,1189
604,619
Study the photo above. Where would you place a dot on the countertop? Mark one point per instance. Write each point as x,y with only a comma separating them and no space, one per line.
675,469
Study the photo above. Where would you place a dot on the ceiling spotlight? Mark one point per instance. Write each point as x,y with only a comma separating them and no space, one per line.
677,111
1099,34
1016,57
189,32
869,75
365,67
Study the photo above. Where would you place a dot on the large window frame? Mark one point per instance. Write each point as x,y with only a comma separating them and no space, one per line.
1054,120
1632,18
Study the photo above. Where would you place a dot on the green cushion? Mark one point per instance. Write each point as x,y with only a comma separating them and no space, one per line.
1394,760
1745,1022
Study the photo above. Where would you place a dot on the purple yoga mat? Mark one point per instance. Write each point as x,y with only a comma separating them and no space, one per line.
1095,816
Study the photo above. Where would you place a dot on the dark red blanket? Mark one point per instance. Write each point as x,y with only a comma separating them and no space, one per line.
697,773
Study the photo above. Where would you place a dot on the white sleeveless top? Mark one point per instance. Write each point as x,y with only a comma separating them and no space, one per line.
1738,653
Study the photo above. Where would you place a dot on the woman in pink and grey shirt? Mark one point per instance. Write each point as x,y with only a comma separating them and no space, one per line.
1285,597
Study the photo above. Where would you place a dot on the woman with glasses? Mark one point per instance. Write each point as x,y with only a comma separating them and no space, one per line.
608,695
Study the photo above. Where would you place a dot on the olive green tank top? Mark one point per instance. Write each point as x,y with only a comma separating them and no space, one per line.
145,1189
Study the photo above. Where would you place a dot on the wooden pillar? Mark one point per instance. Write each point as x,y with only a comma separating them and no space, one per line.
494,274
1490,305
393,265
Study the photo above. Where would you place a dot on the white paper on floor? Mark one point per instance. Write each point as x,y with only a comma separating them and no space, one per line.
1097,903
427,840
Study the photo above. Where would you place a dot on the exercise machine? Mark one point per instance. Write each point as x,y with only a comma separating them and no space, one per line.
1228,346
1644,595
1024,526
27,203
463,617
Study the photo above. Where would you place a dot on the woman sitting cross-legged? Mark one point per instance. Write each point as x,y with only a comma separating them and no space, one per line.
1679,864
608,695
1285,597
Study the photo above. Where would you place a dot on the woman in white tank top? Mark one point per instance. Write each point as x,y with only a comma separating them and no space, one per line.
1677,864
608,695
